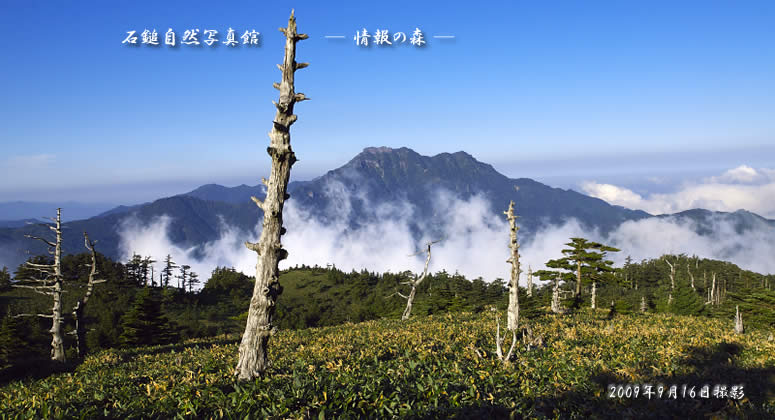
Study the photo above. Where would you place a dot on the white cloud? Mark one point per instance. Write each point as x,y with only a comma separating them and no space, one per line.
475,240
653,237
153,240
743,174
739,188
613,194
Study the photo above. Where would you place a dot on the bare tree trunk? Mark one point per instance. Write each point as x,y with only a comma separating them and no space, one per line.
672,273
513,309
594,294
51,285
57,345
713,292
253,360
529,281
670,299
643,304
578,278
80,306
414,283
556,297
499,341
738,321
691,276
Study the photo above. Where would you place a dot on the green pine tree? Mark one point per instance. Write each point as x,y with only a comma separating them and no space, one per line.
687,301
5,279
145,323
20,340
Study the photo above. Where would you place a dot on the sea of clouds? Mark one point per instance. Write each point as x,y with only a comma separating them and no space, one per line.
475,236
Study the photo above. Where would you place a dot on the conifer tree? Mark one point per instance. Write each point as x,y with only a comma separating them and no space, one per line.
167,271
145,323
686,301
5,279
21,340
183,277
584,262
193,279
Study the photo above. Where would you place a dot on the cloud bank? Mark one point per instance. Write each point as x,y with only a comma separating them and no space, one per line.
740,188
475,240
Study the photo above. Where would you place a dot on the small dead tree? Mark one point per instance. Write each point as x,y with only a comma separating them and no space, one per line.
253,360
529,281
50,283
738,320
691,276
643,306
672,273
714,297
594,294
415,282
557,295
80,306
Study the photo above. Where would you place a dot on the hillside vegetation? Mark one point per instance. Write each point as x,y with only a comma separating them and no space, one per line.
434,366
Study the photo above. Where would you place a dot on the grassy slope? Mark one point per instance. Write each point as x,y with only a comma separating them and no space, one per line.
427,367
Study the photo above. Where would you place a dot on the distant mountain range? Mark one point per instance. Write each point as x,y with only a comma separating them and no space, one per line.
357,193
13,211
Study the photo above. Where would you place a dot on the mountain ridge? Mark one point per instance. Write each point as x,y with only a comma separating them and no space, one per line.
353,194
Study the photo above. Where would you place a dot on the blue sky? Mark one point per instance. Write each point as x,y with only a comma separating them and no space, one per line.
562,92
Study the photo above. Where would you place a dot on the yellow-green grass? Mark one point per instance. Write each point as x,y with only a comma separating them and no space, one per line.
437,366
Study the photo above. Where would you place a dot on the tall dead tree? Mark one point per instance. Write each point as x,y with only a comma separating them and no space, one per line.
414,283
529,281
253,360
513,308
50,284
80,306
512,312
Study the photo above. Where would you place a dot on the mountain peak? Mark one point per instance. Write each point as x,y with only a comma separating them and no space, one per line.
381,149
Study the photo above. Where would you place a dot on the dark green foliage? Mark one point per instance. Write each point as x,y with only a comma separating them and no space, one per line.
5,279
584,263
134,270
167,271
318,296
756,306
145,323
21,340
193,280
687,301
534,306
